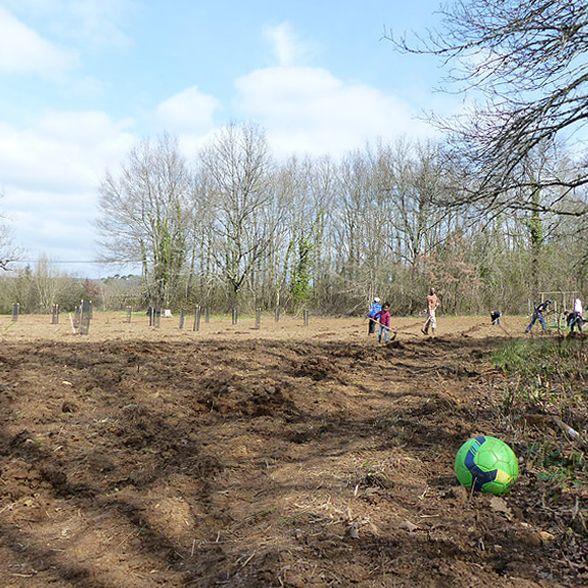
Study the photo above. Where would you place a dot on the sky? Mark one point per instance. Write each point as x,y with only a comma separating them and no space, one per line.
82,81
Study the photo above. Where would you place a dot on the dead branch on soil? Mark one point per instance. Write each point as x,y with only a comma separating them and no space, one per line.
550,420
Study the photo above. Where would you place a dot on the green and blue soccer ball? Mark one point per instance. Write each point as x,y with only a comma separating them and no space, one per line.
488,464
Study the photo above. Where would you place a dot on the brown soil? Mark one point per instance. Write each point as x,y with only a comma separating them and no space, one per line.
108,326
260,463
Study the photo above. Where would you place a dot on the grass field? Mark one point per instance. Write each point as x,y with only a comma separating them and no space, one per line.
289,456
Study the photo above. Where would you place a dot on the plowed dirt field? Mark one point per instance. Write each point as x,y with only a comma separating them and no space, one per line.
316,459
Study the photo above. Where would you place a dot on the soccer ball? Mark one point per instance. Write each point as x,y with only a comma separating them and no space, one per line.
488,463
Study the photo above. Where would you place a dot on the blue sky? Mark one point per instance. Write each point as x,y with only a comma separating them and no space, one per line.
82,80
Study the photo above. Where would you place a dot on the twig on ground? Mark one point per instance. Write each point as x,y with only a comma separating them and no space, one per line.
472,489
248,559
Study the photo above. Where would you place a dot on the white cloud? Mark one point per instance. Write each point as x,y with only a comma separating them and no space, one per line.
91,22
58,228
22,50
309,110
101,21
63,151
189,115
87,87
288,48
50,173
189,111
65,234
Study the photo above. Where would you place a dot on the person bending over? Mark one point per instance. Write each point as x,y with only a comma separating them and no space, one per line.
576,317
383,318
538,312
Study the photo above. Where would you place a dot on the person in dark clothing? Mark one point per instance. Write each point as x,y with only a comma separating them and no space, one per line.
576,318
538,313
495,317
574,321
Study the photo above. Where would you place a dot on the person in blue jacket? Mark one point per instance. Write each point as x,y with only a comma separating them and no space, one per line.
375,308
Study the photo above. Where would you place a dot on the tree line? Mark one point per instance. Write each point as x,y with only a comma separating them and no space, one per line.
235,226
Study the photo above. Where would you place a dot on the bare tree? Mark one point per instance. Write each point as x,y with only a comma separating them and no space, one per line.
526,63
238,168
46,283
144,215
361,224
9,251
200,238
